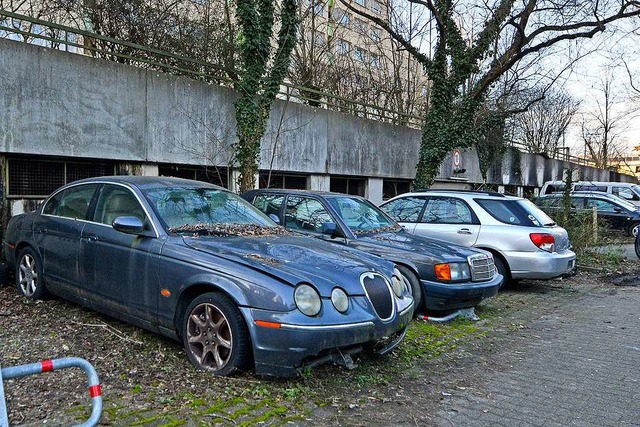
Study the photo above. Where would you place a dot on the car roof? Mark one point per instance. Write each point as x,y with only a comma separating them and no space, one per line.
600,194
463,193
143,182
300,192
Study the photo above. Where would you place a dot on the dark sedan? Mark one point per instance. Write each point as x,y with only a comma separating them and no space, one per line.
199,264
617,213
443,276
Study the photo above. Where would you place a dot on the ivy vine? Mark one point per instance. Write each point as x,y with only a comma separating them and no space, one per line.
264,67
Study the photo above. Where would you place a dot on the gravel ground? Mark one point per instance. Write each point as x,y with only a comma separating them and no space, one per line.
147,380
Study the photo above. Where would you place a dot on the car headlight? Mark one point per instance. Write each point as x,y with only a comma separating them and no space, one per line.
307,300
397,283
339,299
452,271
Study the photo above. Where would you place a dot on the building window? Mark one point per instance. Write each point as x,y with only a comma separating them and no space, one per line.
375,60
375,35
318,38
375,6
280,180
347,185
343,47
318,7
341,17
360,26
211,174
39,178
359,54
393,187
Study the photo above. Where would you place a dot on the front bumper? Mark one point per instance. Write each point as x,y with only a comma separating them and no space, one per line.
298,342
453,296
540,265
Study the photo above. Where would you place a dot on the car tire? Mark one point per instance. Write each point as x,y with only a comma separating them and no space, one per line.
215,335
503,268
416,288
637,246
29,278
632,230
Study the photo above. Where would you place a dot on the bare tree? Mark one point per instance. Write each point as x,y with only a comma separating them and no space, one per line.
602,125
540,128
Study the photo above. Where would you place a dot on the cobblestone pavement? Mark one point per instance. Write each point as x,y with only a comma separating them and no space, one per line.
580,368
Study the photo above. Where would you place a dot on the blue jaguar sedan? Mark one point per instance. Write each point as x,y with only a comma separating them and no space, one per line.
442,276
199,264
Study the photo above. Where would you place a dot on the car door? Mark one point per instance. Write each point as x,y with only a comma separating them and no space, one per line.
120,270
57,234
614,215
406,211
449,219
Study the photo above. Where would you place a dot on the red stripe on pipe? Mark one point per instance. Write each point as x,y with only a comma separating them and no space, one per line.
47,365
95,391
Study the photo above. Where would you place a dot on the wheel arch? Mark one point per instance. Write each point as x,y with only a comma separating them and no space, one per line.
497,255
193,291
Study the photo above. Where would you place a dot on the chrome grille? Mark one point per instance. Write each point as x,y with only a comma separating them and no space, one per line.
379,293
482,267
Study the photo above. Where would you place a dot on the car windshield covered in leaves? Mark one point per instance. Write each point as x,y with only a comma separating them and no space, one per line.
199,264
204,211
361,216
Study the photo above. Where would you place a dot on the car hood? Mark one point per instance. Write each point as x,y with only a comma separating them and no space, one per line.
414,247
296,259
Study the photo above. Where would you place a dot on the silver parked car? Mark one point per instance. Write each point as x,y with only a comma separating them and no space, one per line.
525,242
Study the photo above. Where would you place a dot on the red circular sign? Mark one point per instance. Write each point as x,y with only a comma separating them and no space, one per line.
456,158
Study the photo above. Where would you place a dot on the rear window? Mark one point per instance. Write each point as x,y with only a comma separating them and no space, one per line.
590,187
515,212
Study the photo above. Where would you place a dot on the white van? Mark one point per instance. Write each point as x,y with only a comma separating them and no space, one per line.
624,190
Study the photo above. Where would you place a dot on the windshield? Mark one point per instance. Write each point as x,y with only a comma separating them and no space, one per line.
180,206
360,215
621,201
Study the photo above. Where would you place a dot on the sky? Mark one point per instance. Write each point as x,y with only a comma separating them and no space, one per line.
610,52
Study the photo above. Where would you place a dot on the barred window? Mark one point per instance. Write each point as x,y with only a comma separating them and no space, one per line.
279,180
213,174
347,185
393,187
39,178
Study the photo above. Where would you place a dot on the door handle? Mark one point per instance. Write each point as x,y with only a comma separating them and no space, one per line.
92,238
42,230
465,231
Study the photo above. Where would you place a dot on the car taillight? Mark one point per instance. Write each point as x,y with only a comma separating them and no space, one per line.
544,241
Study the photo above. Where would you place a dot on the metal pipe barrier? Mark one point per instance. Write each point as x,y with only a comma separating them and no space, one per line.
95,391
468,313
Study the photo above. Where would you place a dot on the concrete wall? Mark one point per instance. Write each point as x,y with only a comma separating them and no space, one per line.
61,104
521,169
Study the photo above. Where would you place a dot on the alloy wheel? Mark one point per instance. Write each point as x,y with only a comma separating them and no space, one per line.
209,336
28,275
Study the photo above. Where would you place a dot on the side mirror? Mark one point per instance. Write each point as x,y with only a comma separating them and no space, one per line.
617,209
275,218
330,229
128,225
